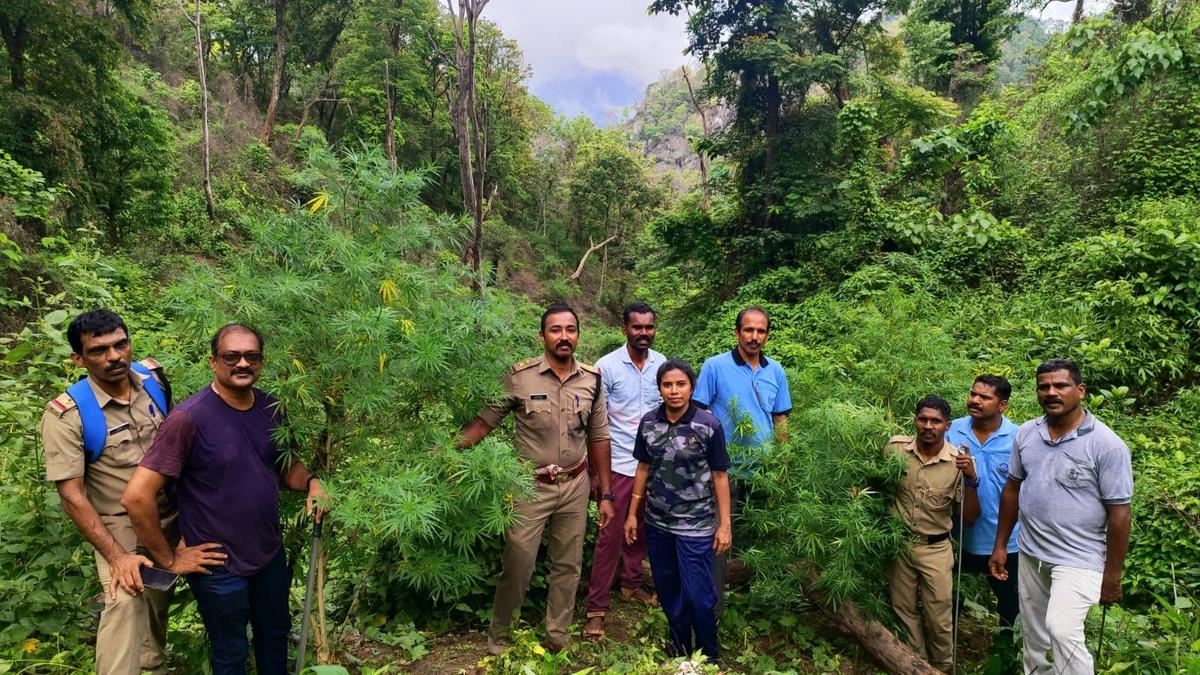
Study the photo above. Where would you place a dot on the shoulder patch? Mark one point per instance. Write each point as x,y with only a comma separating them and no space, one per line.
150,363
591,369
522,365
61,404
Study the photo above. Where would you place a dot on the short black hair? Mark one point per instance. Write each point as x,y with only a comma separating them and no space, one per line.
96,322
999,383
232,328
1055,365
936,403
737,323
676,364
636,308
558,308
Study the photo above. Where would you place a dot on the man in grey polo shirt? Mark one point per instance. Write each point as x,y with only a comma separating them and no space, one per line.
1070,479
629,375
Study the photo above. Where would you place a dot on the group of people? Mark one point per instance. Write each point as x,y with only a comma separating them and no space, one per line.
1066,475
646,437
191,489
196,492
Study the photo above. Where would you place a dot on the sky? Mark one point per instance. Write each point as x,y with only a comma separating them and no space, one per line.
595,57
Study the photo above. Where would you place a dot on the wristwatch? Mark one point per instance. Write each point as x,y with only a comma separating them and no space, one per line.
608,496
971,483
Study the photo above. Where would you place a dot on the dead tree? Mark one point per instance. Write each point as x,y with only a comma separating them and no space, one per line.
204,139
464,117
588,253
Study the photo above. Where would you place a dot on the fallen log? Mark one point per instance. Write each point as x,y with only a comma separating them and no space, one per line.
882,644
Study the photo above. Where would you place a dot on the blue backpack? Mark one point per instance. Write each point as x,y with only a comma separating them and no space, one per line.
95,428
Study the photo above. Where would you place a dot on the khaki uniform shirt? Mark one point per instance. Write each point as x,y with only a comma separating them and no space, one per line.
928,489
553,417
131,427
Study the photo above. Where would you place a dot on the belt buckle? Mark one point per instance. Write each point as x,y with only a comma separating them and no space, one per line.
561,477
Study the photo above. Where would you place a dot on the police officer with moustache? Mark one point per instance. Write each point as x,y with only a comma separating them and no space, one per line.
559,408
94,435
921,579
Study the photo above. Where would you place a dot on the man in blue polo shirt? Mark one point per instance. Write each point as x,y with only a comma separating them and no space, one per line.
743,388
988,435
749,394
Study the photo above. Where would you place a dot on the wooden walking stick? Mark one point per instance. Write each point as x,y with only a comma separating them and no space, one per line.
308,593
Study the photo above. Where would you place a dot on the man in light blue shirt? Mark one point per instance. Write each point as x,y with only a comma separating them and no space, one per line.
749,394
988,435
745,390
628,375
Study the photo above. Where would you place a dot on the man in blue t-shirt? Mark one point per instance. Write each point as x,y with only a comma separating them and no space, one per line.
745,390
748,393
988,435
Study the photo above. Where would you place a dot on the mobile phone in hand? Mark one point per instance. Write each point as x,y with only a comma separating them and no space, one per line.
158,579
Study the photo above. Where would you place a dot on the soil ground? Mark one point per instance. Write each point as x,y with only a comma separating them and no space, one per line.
628,625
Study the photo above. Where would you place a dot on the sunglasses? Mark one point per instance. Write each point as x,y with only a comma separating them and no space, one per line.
233,358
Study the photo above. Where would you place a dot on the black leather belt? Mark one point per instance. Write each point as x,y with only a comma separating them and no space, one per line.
935,538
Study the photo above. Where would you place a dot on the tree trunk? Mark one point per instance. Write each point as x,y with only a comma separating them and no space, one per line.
202,72
771,131
277,80
1078,15
389,131
14,41
464,120
704,128
389,90
883,646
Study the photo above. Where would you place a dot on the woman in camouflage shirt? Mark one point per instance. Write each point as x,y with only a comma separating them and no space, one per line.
682,476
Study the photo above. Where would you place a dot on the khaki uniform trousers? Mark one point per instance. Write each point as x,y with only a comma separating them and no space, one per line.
133,628
925,575
564,508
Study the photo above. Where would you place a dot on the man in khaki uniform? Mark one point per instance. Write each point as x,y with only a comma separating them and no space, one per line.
926,500
133,626
558,404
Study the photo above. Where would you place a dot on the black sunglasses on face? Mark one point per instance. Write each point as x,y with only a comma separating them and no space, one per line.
233,358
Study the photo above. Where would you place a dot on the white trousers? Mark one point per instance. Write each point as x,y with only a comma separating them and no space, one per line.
1055,600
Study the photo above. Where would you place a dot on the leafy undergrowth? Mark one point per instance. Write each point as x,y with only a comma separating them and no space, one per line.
633,643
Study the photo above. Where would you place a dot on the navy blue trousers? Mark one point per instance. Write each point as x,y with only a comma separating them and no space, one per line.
682,568
228,602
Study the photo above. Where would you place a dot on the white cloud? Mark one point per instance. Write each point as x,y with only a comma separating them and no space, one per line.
639,51
562,38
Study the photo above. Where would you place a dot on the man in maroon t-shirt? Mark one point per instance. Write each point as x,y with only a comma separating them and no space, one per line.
219,447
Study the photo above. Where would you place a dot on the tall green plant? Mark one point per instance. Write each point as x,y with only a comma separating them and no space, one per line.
377,351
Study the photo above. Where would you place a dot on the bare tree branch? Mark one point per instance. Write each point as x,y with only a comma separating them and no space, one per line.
594,247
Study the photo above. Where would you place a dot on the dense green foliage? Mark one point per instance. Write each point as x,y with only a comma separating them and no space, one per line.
917,199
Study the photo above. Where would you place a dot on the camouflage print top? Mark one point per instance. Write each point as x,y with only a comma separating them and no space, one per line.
682,456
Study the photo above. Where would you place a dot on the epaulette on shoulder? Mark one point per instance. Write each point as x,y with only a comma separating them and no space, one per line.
527,363
901,440
60,405
150,363
591,369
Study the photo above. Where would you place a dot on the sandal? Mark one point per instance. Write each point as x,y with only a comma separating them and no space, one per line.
594,628
640,596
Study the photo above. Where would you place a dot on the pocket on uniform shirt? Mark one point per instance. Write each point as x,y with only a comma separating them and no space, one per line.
583,414
122,449
538,413
1073,472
